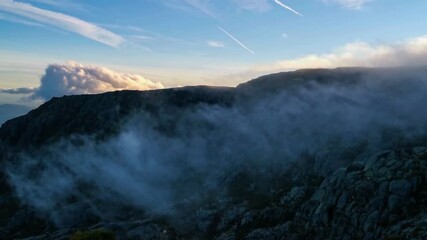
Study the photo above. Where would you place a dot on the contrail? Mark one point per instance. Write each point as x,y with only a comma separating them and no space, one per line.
287,7
237,41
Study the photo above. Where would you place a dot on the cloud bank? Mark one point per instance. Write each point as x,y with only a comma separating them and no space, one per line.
19,90
62,21
410,52
74,78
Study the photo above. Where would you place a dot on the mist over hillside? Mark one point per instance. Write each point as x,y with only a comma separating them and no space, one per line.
225,163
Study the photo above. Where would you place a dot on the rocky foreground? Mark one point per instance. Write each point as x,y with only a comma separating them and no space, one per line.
361,190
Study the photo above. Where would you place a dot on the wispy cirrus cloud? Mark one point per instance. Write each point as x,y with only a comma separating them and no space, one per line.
62,4
11,18
203,6
62,21
128,28
351,4
207,7
142,37
216,44
253,5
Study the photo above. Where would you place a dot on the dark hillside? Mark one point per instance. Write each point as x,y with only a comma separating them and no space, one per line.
311,154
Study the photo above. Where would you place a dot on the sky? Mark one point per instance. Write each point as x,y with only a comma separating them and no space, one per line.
57,47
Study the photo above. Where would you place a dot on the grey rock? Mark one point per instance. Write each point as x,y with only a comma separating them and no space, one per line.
419,150
294,196
400,187
371,221
205,219
394,202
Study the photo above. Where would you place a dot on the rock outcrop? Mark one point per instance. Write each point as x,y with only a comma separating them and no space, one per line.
384,197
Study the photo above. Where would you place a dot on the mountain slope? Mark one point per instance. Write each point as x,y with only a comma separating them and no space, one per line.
310,154
101,114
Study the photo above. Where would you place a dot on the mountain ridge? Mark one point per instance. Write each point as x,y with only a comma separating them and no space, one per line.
310,154
270,83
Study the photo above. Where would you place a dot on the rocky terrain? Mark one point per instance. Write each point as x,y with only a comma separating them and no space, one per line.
310,154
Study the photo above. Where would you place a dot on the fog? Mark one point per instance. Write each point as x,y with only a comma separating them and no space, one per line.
155,171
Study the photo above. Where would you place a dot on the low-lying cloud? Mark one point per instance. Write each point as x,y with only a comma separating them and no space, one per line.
410,52
19,90
73,78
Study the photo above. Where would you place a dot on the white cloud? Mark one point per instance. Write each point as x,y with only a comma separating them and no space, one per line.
61,21
142,37
410,52
351,4
203,6
14,19
253,5
129,28
207,7
74,78
19,91
216,44
284,35
63,4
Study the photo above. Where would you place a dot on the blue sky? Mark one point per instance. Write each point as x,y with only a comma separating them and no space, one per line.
180,42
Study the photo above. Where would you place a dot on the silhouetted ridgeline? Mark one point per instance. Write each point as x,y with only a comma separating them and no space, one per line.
103,113
310,154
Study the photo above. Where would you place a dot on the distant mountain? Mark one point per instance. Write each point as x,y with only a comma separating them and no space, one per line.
9,111
311,154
